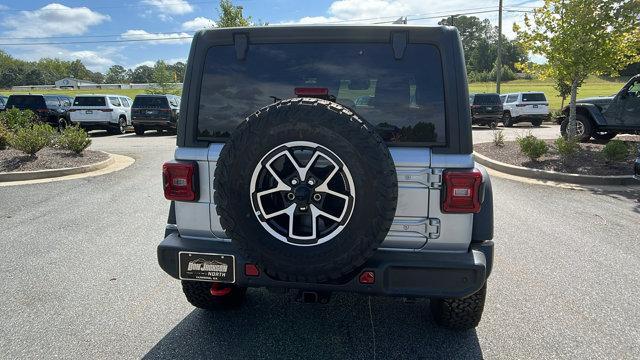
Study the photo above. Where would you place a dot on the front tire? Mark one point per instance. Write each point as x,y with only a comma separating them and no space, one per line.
459,313
62,124
507,121
201,295
493,124
584,129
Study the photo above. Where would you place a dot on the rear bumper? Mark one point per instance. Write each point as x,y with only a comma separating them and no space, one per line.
486,117
154,124
410,274
100,124
528,117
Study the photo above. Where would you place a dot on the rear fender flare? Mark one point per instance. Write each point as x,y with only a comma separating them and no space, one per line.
483,221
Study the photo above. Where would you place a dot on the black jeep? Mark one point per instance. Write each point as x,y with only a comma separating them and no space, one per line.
51,109
602,118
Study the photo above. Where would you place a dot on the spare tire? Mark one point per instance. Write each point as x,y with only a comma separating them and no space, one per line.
306,189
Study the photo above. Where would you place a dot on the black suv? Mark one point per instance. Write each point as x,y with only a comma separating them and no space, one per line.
486,109
52,109
284,178
155,112
602,118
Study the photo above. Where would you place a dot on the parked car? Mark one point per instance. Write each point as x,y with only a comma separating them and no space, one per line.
486,109
519,107
50,108
102,112
155,112
302,193
3,101
602,118
636,166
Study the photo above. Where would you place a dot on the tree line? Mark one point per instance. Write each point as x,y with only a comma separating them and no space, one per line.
47,71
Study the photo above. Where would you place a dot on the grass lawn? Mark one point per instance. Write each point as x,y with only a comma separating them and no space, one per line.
591,87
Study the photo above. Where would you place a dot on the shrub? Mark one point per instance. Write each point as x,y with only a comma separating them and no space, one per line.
532,147
73,138
567,148
15,119
4,136
31,139
498,138
615,150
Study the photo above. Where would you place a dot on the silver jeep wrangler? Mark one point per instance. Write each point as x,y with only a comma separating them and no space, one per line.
284,178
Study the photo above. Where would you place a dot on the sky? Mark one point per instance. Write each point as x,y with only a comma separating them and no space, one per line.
103,33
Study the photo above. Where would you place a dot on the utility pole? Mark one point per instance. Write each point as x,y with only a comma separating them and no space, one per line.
499,60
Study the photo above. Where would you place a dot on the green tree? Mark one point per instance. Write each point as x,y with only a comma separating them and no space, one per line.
163,80
116,74
231,15
582,37
178,70
142,74
78,70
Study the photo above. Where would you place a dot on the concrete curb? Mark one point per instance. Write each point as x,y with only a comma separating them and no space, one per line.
553,175
54,173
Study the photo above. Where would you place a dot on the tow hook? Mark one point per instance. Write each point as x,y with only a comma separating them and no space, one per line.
310,297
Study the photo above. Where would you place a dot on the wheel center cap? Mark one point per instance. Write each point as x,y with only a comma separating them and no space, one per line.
302,193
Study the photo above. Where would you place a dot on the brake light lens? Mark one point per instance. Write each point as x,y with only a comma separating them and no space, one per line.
180,180
462,191
106,110
367,277
311,91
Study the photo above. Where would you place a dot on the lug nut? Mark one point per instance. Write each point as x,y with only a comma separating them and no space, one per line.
290,196
311,182
317,197
294,182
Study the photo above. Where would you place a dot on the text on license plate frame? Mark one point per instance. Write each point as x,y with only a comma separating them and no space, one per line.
209,267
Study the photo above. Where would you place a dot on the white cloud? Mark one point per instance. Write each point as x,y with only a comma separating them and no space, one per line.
92,59
158,38
95,60
375,11
53,19
170,7
198,23
4,7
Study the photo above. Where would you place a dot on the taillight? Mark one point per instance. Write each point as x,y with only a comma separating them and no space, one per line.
521,105
180,180
461,191
106,110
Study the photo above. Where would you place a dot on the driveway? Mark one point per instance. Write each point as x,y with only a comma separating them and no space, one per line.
80,280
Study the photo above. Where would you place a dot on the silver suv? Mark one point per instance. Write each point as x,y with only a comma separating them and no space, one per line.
284,179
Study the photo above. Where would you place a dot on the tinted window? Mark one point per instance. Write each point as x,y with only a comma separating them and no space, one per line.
65,101
26,102
403,99
52,100
1,101
89,101
150,102
512,98
125,102
486,99
533,97
114,101
503,98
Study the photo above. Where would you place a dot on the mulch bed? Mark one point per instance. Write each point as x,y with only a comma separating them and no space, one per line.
47,158
588,162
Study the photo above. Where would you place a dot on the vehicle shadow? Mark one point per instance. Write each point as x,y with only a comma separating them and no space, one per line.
271,326
150,134
631,193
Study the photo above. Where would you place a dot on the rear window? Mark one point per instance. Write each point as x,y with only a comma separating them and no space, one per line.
150,102
486,99
533,97
89,101
403,99
26,102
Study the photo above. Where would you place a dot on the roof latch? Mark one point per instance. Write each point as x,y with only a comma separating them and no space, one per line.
241,42
399,40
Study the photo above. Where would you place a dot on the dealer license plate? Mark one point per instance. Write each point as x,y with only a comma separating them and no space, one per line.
207,267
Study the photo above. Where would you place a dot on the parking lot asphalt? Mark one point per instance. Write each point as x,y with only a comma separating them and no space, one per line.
80,280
